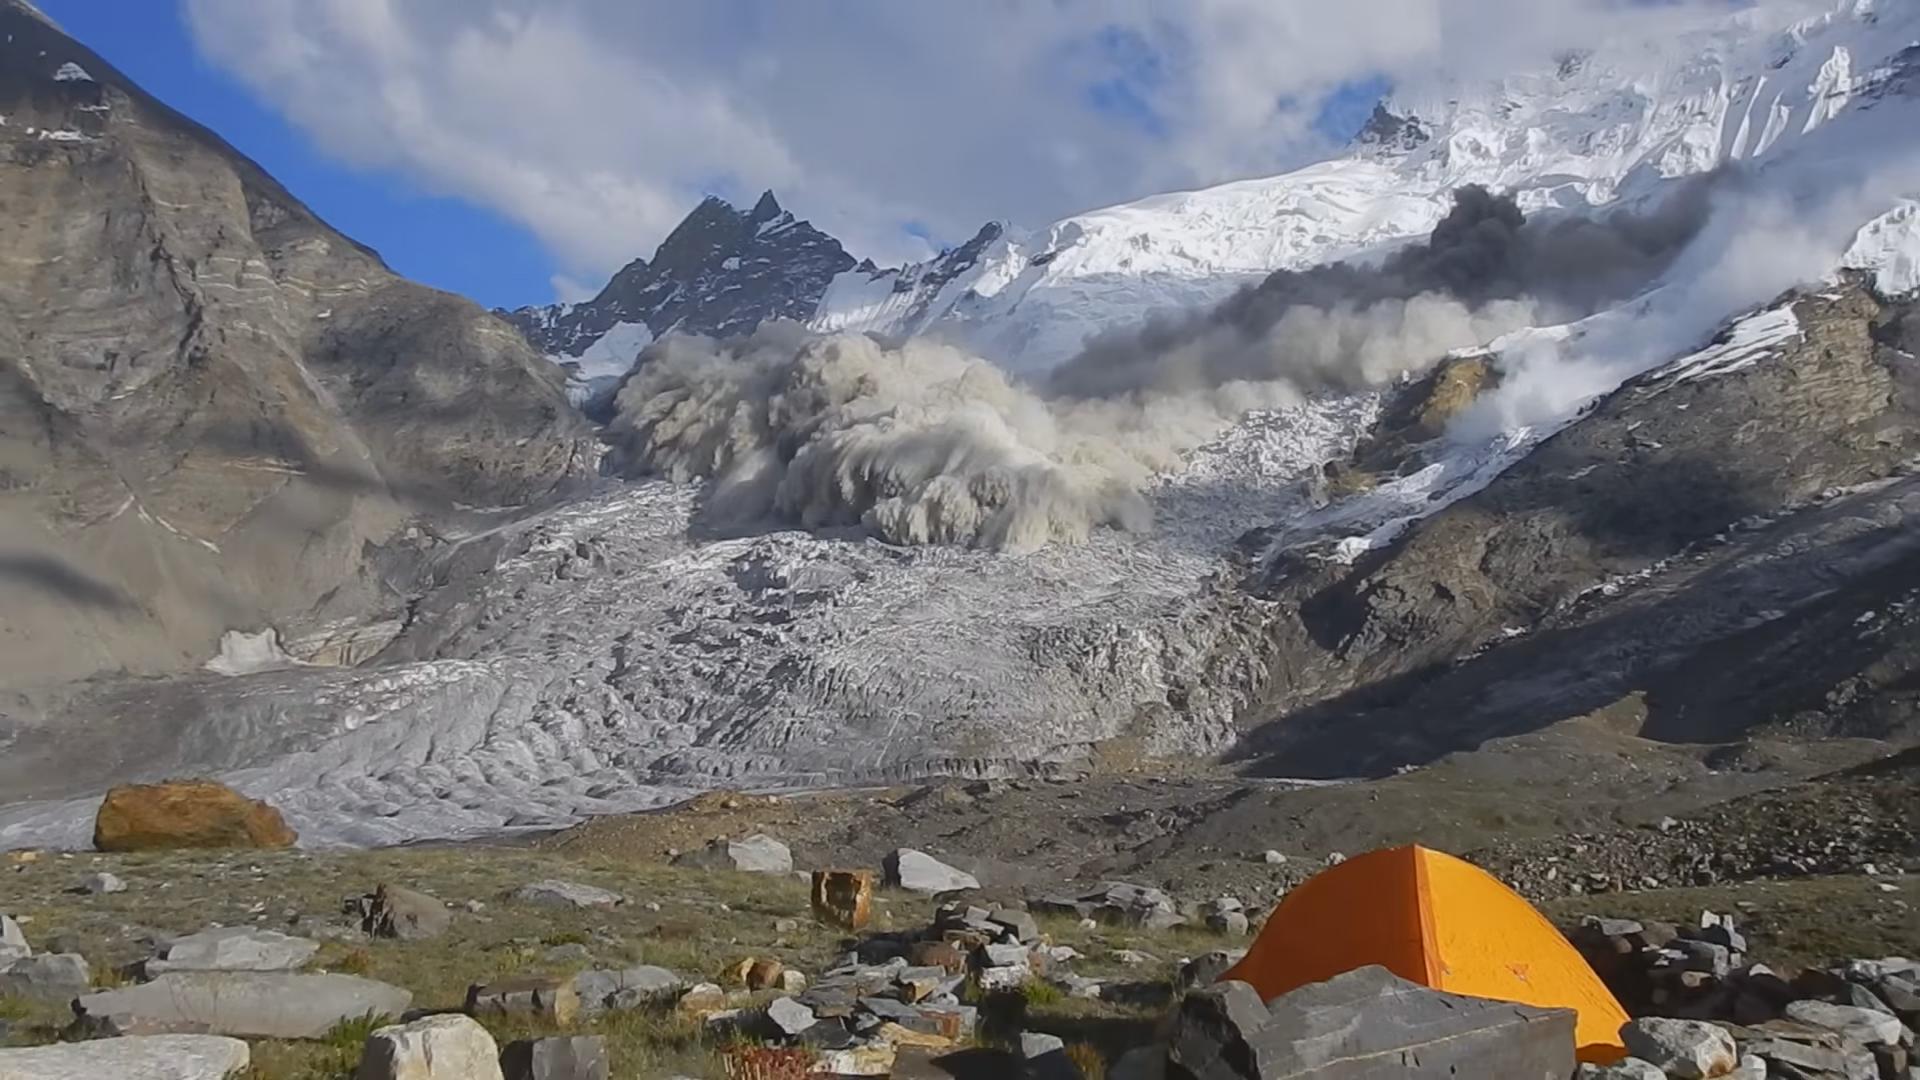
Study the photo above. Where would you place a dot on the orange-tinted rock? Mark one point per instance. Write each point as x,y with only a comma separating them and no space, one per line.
186,814
843,898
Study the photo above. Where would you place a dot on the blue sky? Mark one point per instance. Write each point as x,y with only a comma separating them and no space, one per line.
482,248
443,242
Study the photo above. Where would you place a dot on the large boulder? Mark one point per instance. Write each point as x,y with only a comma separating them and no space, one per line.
246,1003
1364,1024
395,911
1681,1048
46,977
917,871
607,990
146,1057
757,854
445,1047
233,948
186,814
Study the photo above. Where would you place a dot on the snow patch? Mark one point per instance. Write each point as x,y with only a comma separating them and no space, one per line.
1889,248
244,653
71,72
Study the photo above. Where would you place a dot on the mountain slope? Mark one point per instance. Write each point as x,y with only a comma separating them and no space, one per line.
216,411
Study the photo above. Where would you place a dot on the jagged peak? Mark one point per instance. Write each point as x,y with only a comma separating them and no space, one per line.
766,209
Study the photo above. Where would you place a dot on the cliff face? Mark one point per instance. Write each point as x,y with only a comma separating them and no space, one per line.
215,411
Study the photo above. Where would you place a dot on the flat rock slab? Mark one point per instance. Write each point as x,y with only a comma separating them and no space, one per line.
246,1003
1366,1024
567,894
146,1057
612,989
920,872
233,948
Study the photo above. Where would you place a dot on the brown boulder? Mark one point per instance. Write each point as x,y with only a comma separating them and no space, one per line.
843,898
186,814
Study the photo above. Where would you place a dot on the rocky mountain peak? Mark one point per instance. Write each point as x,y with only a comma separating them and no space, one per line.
720,271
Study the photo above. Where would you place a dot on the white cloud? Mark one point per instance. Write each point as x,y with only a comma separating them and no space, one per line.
598,123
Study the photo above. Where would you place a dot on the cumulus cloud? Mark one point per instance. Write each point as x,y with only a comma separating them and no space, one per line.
598,123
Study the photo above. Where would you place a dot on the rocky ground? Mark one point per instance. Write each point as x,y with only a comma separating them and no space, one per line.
1816,869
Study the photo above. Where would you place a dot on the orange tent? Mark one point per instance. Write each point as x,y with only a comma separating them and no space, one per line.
1436,920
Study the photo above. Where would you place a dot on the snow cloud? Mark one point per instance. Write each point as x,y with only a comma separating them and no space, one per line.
599,123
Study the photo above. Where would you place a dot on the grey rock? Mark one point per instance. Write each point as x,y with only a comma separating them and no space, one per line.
920,872
395,911
1206,969
626,988
1018,923
1034,1044
1273,858
1366,1023
553,893
448,1046
1611,927
1866,1026
46,977
575,1057
233,948
1232,923
1688,1049
547,998
790,1017
144,1057
1005,956
756,854
13,941
245,1003
103,882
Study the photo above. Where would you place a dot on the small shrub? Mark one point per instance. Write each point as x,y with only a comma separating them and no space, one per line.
355,961
1088,1060
1040,993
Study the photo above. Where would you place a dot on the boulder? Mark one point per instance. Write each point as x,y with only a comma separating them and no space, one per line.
552,893
395,911
145,1057
1145,1062
233,948
789,1017
550,998
260,1004
609,990
1132,905
756,854
444,1047
1206,969
1362,1024
1017,924
54,977
1787,1046
575,1057
103,882
186,814
917,871
1866,1026
1689,1049
843,898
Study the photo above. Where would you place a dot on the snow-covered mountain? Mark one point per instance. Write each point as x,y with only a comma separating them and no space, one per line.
1704,496
1600,127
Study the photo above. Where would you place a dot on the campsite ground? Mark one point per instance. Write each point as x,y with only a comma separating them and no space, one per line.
706,922
1196,834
